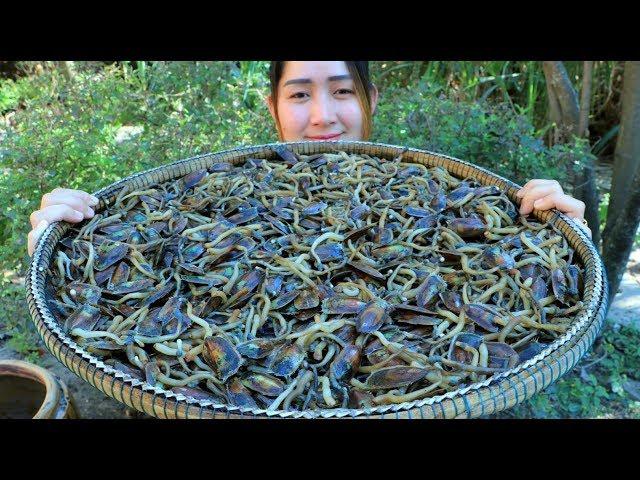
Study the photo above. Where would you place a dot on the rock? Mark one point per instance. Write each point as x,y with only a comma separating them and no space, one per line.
632,387
127,132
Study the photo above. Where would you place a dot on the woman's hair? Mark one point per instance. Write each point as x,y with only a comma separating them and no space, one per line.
359,72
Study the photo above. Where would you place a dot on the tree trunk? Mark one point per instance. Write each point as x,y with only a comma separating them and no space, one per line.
572,120
625,163
554,112
585,99
566,100
585,185
623,215
67,70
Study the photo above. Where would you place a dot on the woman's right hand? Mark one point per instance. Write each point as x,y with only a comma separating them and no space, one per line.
60,204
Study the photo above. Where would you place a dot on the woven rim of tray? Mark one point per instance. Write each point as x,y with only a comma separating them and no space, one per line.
496,393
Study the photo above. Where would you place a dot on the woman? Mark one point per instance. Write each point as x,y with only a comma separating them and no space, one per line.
310,101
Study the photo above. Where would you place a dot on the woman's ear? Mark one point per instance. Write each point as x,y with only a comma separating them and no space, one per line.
271,106
374,98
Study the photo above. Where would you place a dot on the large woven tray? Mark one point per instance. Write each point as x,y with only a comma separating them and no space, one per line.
497,393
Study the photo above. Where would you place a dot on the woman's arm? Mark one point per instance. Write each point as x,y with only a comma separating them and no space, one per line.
61,204
546,194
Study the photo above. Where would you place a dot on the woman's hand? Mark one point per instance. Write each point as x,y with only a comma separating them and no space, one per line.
548,194
60,204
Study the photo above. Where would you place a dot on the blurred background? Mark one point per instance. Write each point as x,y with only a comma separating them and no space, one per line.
85,125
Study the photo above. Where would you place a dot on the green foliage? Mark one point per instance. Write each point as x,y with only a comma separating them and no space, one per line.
489,135
15,324
521,85
595,387
13,93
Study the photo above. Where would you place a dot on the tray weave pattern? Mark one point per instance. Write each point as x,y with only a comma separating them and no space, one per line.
495,394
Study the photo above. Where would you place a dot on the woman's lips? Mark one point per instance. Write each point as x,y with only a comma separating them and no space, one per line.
324,137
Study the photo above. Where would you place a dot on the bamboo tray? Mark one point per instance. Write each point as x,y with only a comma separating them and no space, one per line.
497,393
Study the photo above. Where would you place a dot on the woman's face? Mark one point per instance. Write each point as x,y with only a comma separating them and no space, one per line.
318,101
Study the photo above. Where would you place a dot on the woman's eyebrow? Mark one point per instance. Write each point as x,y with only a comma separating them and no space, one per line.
334,78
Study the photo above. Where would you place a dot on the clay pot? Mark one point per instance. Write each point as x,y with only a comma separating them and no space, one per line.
29,391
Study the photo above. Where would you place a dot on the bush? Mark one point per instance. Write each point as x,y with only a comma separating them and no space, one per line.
66,134
491,136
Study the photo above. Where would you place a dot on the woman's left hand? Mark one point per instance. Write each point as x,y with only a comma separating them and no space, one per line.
546,194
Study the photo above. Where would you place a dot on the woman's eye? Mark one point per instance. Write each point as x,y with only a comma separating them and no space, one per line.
298,95
344,91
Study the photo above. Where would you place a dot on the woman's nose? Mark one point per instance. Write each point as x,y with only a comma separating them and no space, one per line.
322,111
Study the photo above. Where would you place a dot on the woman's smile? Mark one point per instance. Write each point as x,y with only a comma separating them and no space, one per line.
330,136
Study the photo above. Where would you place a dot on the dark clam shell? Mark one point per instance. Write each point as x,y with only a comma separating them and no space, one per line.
395,377
244,216
287,360
481,316
438,202
429,289
192,179
314,208
410,171
273,285
452,300
121,273
344,305
391,252
239,395
360,212
354,235
86,317
427,221
539,289
160,291
192,252
256,348
84,293
129,287
418,212
362,267
198,394
559,284
264,384
531,350
372,316
110,253
345,363
501,355
308,298
220,167
330,252
496,257
284,299
287,155
460,193
222,357
468,227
